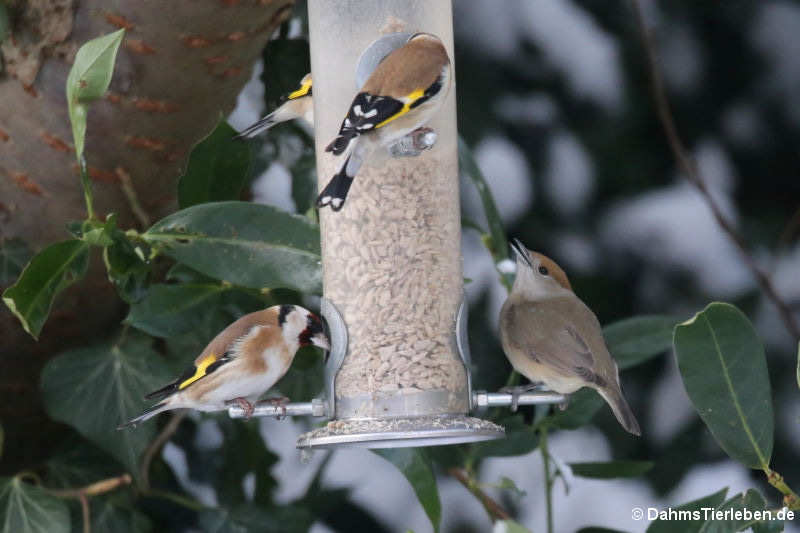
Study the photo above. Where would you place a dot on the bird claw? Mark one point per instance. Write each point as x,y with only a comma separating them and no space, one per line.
246,406
279,402
414,143
517,391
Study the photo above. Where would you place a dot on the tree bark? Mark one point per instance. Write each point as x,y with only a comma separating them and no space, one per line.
179,70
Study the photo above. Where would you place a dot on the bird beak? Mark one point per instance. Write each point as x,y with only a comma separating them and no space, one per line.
521,252
321,340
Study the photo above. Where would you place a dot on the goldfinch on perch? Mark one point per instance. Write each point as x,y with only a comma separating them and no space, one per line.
550,336
403,92
298,104
242,362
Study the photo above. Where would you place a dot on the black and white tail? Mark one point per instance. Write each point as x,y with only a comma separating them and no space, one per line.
342,141
151,412
263,124
335,192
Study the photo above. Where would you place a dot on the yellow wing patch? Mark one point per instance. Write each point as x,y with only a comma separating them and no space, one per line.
411,98
305,86
200,372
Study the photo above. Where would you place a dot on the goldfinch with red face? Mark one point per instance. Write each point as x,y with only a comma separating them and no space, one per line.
550,336
298,104
404,91
243,362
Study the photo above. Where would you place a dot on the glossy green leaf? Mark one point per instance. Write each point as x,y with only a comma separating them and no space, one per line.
520,439
14,255
248,518
417,467
126,266
246,244
509,526
95,389
25,508
286,61
583,405
634,340
495,240
304,181
113,514
5,28
690,518
305,378
169,310
76,462
724,370
51,271
746,504
611,469
218,169
88,80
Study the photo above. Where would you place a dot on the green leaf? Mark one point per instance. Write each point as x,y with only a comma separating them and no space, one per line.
243,452
520,439
126,267
748,502
611,469
583,405
51,271
250,519
95,389
5,28
305,378
217,170
416,466
14,255
495,241
724,370
88,80
509,526
304,181
694,514
113,514
634,340
169,310
286,61
25,508
246,244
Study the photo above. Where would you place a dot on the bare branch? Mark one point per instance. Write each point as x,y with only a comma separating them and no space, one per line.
155,446
494,509
689,169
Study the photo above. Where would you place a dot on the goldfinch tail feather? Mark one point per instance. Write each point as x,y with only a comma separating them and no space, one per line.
262,125
149,413
335,192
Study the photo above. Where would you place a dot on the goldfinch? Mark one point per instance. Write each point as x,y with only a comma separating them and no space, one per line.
244,361
550,336
403,93
298,104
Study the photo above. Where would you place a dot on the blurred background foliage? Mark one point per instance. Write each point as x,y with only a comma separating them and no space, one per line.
555,109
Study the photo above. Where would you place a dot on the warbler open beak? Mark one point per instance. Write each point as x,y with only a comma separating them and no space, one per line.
521,252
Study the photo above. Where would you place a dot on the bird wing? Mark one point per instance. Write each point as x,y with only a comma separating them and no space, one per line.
202,367
303,90
547,334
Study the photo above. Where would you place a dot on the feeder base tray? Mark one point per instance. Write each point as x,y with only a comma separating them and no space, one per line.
401,432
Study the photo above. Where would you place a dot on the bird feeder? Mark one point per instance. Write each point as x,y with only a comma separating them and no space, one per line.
398,373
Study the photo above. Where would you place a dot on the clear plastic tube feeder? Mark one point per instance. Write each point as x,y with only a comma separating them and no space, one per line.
391,257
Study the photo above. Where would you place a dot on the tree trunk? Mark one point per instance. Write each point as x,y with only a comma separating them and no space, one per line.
179,71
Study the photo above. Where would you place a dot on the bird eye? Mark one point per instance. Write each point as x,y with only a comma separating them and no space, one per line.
543,270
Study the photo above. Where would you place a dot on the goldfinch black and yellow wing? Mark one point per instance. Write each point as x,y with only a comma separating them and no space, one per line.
201,368
369,112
